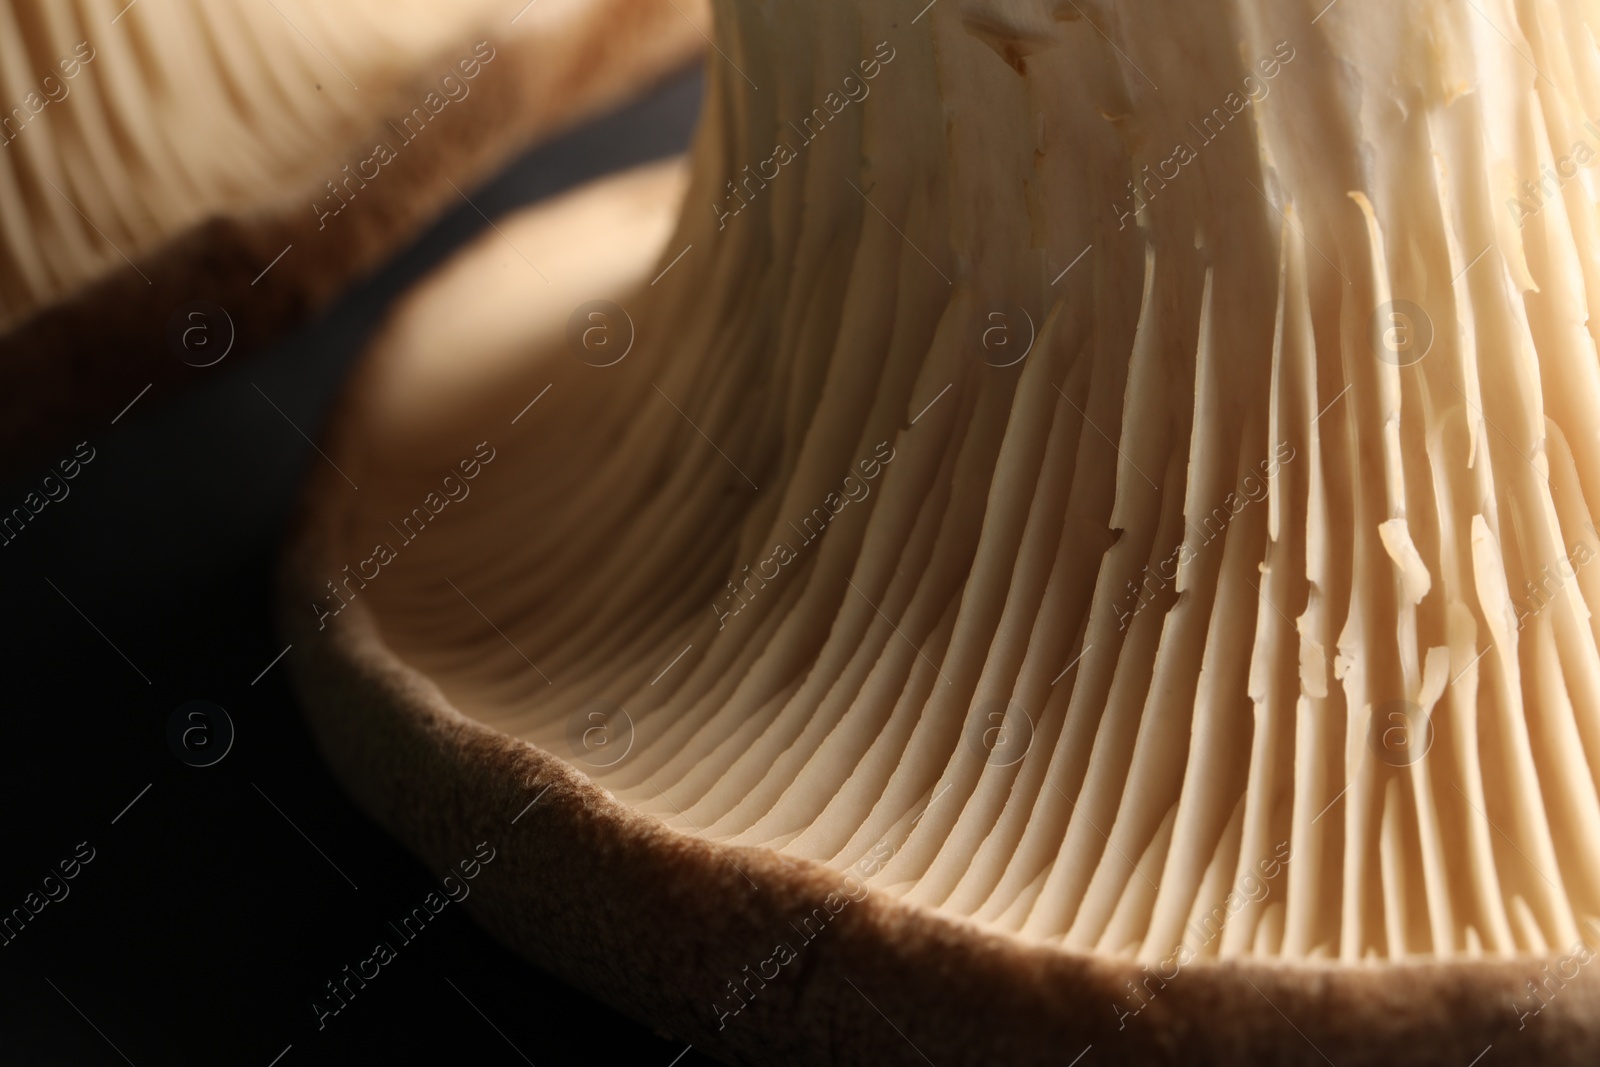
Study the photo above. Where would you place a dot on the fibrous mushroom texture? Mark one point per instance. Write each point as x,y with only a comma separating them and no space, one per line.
1116,472
181,109
257,156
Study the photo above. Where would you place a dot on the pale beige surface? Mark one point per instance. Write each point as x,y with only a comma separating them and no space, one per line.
214,150
1210,773
183,109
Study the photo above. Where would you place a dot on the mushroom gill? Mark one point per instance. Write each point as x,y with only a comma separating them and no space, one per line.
1114,474
258,156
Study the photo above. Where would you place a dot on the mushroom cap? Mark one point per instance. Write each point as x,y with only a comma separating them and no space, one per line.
176,154
855,675
657,920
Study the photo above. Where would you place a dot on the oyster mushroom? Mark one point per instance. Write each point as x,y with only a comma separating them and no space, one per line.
1076,541
246,160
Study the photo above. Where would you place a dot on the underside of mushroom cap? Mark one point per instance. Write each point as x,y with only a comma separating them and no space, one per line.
1112,480
165,152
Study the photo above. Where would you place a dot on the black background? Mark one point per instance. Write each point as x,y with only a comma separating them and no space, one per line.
206,923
